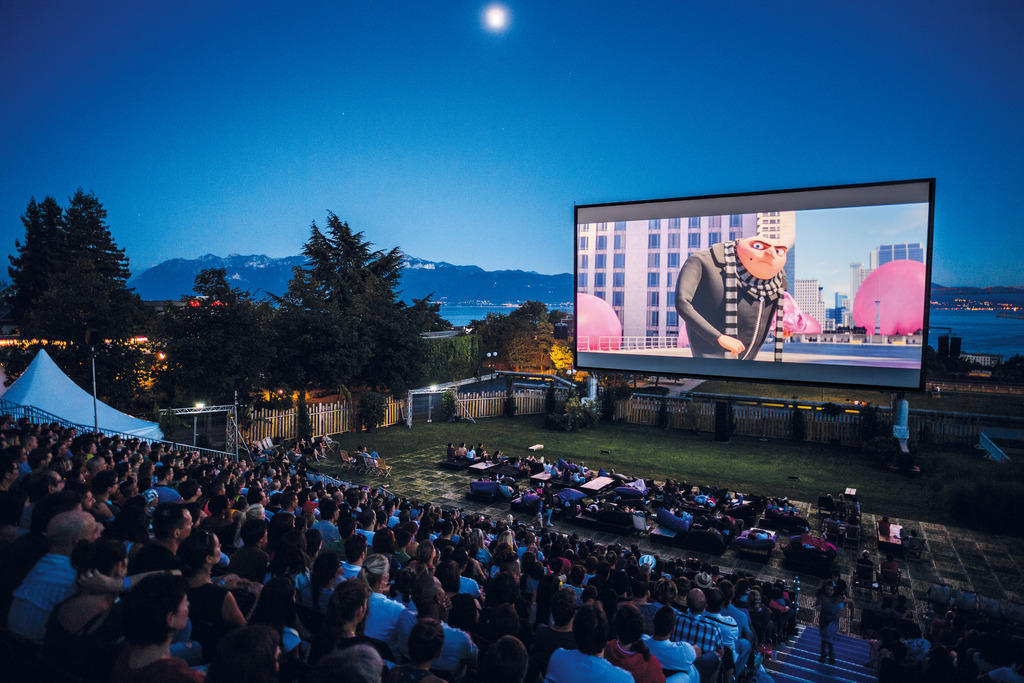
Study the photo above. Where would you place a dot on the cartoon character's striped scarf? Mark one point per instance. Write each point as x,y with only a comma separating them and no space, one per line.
735,276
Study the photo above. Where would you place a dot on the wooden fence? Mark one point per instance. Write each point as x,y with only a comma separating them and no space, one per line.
324,418
492,403
749,418
820,425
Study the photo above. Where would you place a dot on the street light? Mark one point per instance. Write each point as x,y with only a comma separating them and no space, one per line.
430,402
195,418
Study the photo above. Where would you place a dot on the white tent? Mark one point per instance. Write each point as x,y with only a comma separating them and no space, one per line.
46,387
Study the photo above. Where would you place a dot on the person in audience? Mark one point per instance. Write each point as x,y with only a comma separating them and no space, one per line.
678,658
154,610
355,553
382,612
507,661
558,635
692,627
213,608
251,560
587,663
459,652
80,633
247,655
354,664
52,578
629,651
426,640
276,609
172,524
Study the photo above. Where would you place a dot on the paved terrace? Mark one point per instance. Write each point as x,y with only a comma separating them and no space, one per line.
990,565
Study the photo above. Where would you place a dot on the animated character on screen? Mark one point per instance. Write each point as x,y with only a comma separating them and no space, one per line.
731,295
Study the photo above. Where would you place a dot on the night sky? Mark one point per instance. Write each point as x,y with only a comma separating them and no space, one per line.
227,127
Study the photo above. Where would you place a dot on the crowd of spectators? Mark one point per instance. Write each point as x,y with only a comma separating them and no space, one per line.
127,562
124,561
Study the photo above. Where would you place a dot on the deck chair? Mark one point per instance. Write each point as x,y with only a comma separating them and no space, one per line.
832,531
347,461
890,580
864,578
383,469
852,536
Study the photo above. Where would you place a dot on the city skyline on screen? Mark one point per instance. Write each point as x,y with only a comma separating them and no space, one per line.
230,127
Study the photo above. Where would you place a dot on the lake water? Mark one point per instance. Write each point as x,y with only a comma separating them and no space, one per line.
981,331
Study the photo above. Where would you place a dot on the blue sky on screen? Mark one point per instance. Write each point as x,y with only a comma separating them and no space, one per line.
829,240
229,126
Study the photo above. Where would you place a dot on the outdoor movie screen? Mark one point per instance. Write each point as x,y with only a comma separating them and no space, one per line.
823,285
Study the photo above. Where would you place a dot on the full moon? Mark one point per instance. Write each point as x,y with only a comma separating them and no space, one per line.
496,18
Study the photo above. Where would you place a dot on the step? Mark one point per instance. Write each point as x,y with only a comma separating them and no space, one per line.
842,650
822,675
841,670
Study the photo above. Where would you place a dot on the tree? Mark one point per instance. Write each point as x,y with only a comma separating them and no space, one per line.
89,290
208,342
37,256
561,357
373,409
524,337
341,324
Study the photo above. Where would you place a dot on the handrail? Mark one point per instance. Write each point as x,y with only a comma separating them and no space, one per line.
40,416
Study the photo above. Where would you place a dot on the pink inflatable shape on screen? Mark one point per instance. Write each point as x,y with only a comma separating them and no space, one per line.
794,320
898,287
597,326
684,336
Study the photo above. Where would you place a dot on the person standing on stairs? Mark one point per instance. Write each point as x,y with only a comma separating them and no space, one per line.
829,607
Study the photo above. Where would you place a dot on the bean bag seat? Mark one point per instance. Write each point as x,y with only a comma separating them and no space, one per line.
680,524
570,496
705,540
773,519
629,492
483,487
527,503
811,553
756,540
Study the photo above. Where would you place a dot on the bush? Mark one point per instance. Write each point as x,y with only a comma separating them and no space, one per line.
611,396
550,400
449,409
578,415
663,414
510,403
798,424
302,423
373,408
870,425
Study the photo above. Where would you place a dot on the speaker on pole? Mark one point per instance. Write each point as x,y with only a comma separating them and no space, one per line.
721,421
954,347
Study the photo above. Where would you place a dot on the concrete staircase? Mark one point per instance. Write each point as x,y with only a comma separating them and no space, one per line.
797,660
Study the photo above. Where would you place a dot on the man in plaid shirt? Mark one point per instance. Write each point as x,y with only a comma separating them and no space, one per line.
692,628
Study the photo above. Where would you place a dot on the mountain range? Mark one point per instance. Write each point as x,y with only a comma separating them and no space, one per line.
451,284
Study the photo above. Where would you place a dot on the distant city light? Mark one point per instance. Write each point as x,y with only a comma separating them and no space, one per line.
496,17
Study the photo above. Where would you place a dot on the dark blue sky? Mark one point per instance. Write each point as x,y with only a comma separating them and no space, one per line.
228,127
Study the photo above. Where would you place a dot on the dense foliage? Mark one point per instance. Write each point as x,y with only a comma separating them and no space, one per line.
451,358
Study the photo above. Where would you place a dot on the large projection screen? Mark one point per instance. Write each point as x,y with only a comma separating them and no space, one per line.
825,285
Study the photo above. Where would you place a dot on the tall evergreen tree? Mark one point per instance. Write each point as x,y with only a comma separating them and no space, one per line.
340,323
87,286
36,257
208,342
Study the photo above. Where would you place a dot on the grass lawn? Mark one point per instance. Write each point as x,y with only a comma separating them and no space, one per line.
802,471
989,404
